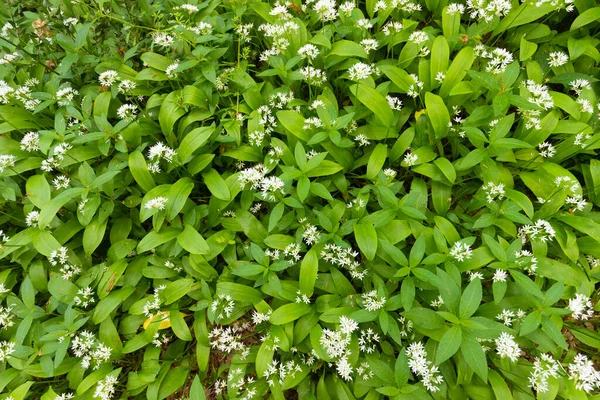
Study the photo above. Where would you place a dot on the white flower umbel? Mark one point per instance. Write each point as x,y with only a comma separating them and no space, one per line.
539,95
108,78
583,373
313,76
84,297
486,10
546,150
421,367
461,251
157,203
6,317
506,347
362,71
579,85
367,340
493,191
90,350
394,103
170,71
222,306
6,349
500,275
309,51
162,39
577,201
159,152
61,182
126,86
410,159
541,230
581,307
30,142
362,140
105,388
344,257
7,161
557,59
258,318
372,302
311,234
32,218
127,112
347,325
506,316
66,95
543,368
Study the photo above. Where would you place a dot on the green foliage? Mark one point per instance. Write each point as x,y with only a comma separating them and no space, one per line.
249,199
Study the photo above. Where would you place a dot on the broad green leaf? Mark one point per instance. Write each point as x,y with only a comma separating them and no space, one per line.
376,160
375,102
139,170
192,241
449,344
347,48
216,184
289,312
308,272
457,70
438,114
470,299
366,238
193,141
474,355
178,194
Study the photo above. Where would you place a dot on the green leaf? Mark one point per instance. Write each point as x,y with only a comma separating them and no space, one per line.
308,272
239,292
216,185
375,102
366,238
110,303
170,111
154,239
51,208
196,390
470,299
457,71
438,114
449,344
293,122
178,194
440,56
192,241
347,48
251,227
139,170
376,160
587,17
526,50
289,312
38,190
193,141
474,356
526,284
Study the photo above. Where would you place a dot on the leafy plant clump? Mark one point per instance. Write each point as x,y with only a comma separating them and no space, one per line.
242,199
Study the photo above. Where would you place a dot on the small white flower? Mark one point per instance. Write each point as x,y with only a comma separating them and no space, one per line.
421,367
61,182
7,161
362,140
32,218
546,150
582,371
127,112
369,45
309,51
506,347
372,302
394,102
362,71
6,349
581,307
347,325
158,203
126,86
461,251
170,71
30,142
418,37
557,59
105,388
107,78
162,39
543,368
500,275
410,159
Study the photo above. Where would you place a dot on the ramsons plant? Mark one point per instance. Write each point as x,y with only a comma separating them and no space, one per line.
242,199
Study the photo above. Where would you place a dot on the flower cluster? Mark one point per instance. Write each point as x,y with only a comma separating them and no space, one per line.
90,350
421,367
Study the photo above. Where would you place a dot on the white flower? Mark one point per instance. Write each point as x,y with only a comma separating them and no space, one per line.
30,142
70,21
579,85
127,112
335,343
326,10
66,95
543,369
6,349
367,340
105,388
369,45
546,150
65,396
500,58
160,339
539,95
311,234
6,161
189,8
390,173
344,369
362,140
541,230
362,71
500,275
84,297
313,76
440,76
486,10
344,258
506,347
581,307
107,78
223,306
585,106
309,51
418,37
437,302
32,218
394,102
158,203
454,8
506,316
580,138
410,159
126,86
258,318
474,275
203,28
312,123
582,371
347,325
347,7
493,191
461,251
170,71
68,271
372,302
391,28
162,39
557,59
578,201
421,367
6,317
61,182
